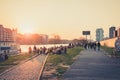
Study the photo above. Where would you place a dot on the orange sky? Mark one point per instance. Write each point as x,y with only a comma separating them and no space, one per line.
68,18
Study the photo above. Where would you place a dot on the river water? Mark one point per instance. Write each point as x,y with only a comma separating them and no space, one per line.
24,48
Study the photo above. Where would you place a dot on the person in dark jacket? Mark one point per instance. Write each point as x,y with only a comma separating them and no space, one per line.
98,44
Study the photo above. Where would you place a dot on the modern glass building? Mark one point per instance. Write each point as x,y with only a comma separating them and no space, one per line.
111,32
99,34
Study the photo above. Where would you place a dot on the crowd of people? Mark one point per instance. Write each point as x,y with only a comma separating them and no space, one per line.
57,50
53,50
92,45
44,50
41,50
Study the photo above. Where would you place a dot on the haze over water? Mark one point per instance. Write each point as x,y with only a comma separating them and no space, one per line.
24,48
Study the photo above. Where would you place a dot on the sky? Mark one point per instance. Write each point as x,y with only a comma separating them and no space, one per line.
67,18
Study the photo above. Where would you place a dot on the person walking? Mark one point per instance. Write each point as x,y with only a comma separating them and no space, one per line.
30,50
98,44
94,46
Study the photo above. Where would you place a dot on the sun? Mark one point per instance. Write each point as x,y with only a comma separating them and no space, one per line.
26,28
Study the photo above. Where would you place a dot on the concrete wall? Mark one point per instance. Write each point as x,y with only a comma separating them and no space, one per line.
108,42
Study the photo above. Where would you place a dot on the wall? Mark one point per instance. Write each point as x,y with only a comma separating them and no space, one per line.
108,42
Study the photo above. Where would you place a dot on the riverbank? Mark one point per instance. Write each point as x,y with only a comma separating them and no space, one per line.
23,56
56,65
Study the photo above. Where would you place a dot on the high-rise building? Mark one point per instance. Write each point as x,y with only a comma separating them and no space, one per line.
115,33
99,34
111,32
118,32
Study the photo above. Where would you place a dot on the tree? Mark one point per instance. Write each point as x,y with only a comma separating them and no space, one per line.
55,40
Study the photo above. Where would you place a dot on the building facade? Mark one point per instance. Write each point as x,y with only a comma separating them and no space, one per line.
111,32
115,33
99,34
7,37
118,32
44,38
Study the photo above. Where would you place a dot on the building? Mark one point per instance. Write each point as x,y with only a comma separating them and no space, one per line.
111,32
44,38
115,33
118,32
7,38
99,34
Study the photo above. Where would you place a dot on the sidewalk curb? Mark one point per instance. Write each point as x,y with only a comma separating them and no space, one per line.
42,68
18,65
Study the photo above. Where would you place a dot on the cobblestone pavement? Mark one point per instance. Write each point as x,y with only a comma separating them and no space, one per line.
26,71
93,65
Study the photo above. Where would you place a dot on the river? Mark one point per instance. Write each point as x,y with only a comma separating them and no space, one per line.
24,48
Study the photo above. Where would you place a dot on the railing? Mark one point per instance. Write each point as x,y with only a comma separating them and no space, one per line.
42,68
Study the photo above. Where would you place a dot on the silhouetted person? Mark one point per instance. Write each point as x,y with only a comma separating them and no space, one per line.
5,55
20,50
85,45
98,44
65,50
2,57
94,46
30,50
34,49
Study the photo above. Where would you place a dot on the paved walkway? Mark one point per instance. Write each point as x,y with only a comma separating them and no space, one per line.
93,65
26,71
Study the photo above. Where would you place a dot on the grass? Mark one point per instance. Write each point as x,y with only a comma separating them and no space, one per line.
110,51
2,68
66,59
14,60
60,70
61,62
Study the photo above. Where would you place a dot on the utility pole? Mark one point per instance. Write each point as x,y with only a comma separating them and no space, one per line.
86,33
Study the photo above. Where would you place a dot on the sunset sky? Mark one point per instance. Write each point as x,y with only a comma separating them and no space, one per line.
67,18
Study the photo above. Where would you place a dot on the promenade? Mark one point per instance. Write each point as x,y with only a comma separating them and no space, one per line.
27,71
93,65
